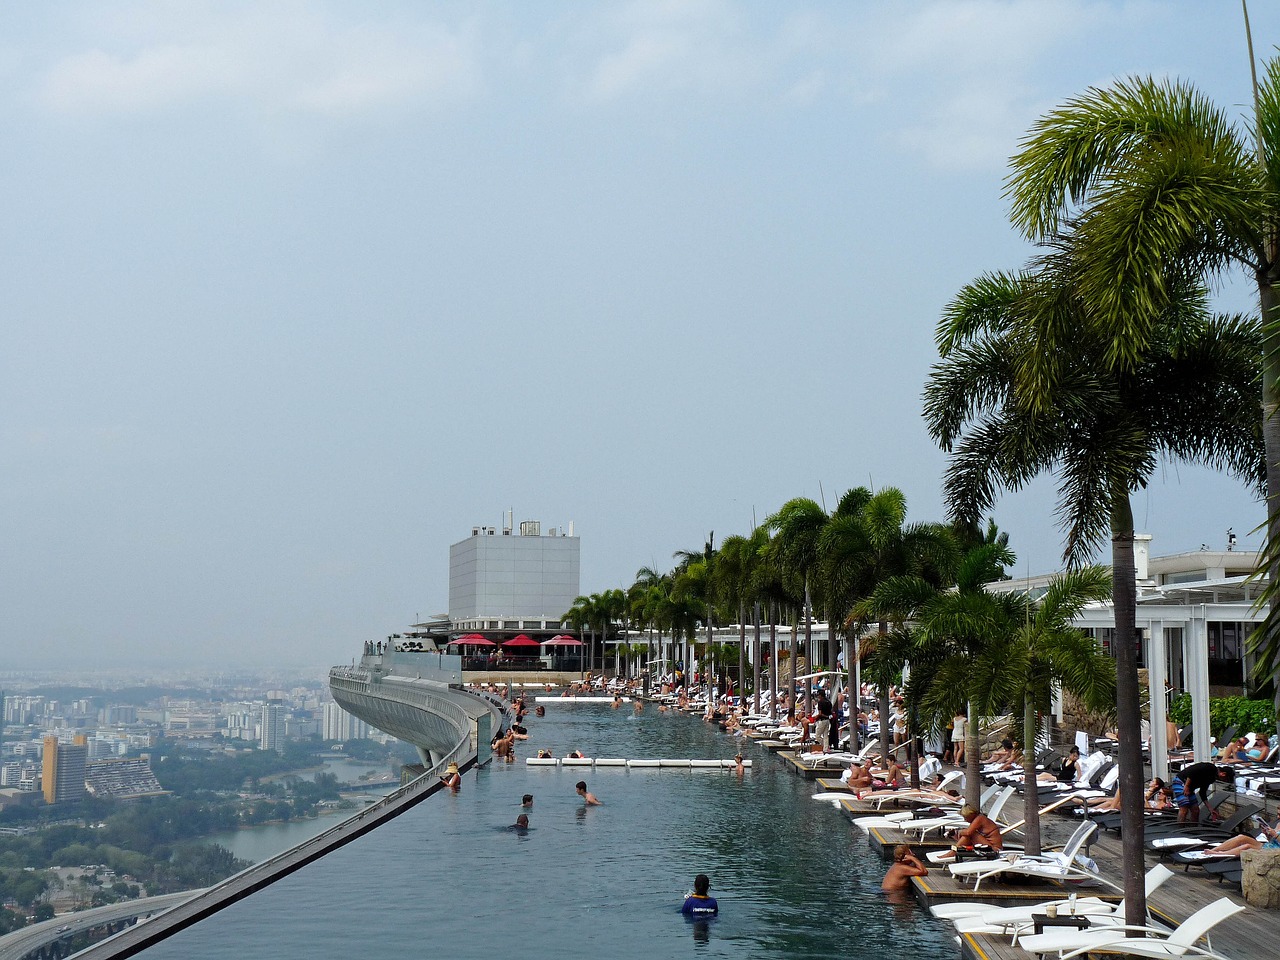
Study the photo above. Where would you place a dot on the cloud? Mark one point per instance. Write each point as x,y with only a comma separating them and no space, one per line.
292,59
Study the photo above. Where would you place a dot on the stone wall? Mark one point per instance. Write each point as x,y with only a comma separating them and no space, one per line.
1261,880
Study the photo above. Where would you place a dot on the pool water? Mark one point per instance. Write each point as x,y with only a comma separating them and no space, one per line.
453,878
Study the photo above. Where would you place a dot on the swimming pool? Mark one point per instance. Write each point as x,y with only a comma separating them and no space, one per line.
452,878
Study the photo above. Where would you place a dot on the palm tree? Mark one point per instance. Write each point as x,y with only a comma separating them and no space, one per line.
954,630
872,544
797,527
1102,429
1161,185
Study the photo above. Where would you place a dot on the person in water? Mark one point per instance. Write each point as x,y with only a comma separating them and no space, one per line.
452,779
905,866
527,801
587,796
522,822
700,903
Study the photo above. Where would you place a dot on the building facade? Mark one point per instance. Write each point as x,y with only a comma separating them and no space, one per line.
63,769
516,581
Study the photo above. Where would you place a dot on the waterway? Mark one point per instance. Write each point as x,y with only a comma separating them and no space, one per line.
452,878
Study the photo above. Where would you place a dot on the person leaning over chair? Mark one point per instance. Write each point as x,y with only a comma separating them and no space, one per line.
1197,777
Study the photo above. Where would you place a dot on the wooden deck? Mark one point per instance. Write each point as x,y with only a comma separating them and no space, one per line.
1252,935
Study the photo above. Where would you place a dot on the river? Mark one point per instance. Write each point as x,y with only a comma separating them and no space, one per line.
452,878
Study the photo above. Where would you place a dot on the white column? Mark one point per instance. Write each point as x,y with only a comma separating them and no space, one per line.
1195,652
1157,670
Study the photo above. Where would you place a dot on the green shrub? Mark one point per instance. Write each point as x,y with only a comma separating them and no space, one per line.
1256,716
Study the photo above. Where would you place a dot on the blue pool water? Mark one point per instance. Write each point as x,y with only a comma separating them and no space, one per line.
452,879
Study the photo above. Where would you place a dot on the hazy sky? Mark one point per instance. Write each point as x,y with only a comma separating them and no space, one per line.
295,294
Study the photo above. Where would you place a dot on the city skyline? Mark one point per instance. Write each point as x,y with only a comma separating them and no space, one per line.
299,295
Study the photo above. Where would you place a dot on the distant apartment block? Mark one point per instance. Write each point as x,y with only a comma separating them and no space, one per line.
271,732
340,725
63,771
521,580
128,778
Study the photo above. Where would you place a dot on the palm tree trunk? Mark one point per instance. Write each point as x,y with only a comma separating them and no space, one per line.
773,661
972,758
791,687
755,659
1031,808
886,728
1128,711
1270,304
742,653
808,649
912,723
853,696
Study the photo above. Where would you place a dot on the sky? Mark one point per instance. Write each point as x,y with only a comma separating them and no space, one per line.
292,295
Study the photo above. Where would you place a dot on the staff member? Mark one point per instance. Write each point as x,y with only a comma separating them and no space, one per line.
1197,777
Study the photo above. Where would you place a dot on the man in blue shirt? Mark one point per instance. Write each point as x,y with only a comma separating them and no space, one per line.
699,903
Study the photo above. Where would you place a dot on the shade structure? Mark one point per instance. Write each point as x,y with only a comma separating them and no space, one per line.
564,640
522,641
473,640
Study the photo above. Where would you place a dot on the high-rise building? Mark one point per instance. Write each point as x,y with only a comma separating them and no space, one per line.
63,770
340,725
271,736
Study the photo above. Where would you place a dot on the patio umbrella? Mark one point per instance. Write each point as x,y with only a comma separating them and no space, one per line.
522,641
564,640
474,640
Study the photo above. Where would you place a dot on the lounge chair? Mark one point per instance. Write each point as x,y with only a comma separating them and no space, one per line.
1016,920
1062,866
954,819
1155,941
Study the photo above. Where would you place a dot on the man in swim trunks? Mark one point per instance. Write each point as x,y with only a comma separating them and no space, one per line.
700,903
1197,777
587,796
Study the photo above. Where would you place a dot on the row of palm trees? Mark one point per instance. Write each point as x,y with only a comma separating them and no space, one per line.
1094,362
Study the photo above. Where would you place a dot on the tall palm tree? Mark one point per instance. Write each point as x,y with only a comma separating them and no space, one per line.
875,546
797,528
1161,185
955,629
1103,430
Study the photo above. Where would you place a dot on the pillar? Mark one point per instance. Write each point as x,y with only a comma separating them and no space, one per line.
1157,671
1195,653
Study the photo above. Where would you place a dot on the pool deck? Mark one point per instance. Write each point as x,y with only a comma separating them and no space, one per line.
1251,935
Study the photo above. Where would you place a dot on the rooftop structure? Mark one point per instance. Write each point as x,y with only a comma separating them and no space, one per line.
518,580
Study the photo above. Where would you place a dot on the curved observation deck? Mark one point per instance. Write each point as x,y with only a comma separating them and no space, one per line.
419,698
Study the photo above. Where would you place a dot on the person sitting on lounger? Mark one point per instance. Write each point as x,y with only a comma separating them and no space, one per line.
1268,838
1158,796
905,866
858,777
981,831
1003,754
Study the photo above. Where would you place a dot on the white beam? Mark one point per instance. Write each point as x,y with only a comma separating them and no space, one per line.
1157,672
1195,652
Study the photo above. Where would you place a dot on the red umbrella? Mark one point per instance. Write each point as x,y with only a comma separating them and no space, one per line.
473,639
564,640
522,641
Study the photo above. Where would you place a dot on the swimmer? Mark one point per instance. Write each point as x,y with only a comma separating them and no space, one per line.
587,796
527,801
738,767
700,903
905,866
522,822
540,711
452,779
639,708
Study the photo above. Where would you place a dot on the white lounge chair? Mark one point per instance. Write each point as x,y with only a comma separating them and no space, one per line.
955,820
934,796
1155,941
1017,920
1061,866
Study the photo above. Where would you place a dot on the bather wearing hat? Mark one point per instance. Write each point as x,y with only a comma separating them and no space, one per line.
452,778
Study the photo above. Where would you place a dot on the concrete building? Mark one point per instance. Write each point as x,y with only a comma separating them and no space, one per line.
515,581
340,725
271,733
62,774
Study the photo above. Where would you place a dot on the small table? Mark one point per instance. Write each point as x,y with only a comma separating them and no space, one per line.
1042,920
